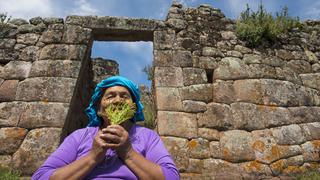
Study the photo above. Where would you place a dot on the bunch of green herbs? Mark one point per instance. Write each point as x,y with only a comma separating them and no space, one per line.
118,113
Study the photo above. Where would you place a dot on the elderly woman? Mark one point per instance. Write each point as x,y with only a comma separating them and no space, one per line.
105,151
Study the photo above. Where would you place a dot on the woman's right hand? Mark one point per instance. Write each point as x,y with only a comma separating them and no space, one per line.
99,148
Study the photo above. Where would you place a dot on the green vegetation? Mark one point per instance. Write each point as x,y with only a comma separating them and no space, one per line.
312,175
118,113
256,28
149,117
4,26
8,174
149,71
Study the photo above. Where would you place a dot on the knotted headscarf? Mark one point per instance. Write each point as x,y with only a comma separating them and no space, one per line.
91,111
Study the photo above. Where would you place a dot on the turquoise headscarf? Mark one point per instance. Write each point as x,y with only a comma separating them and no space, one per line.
91,111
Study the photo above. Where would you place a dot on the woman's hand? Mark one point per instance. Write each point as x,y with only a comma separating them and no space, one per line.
117,138
99,147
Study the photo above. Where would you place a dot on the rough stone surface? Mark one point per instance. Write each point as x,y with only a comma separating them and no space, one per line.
10,113
168,76
193,106
168,99
63,52
236,146
199,92
43,114
311,80
199,148
27,39
76,34
311,151
31,155
57,68
11,139
8,90
223,92
208,133
5,161
169,124
54,89
182,58
15,70
217,116
289,135
29,53
178,149
193,76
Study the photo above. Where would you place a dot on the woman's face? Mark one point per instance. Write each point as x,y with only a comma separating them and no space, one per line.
114,95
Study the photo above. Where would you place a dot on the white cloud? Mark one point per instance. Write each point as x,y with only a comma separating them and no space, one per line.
27,9
83,7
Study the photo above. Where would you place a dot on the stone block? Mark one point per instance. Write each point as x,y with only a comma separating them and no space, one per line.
177,124
55,68
51,36
43,114
193,106
252,59
304,114
15,70
163,58
182,58
208,62
242,49
212,52
311,57
253,117
28,39
255,168
33,151
10,113
199,92
278,166
178,149
231,68
228,35
164,39
7,55
199,148
284,54
273,92
8,90
311,80
295,160
190,176
63,52
168,76
223,92
5,161
311,130
11,138
220,169
288,75
215,150
195,166
315,67
208,133
76,35
311,151
29,53
236,146
178,24
289,135
235,54
6,43
217,116
299,66
54,89
193,76
168,99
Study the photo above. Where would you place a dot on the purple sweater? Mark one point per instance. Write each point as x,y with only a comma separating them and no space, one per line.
78,144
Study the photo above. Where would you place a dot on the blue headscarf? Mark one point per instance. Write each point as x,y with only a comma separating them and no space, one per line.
91,111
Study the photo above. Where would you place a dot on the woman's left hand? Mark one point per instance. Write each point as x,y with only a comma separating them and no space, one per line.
117,138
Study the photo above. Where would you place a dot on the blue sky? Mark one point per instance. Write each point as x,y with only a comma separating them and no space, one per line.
133,56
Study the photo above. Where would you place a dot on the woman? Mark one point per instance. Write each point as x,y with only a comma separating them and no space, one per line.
104,151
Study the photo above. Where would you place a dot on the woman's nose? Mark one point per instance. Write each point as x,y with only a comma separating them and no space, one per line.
117,99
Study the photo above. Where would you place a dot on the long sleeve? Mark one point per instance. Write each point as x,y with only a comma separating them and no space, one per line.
64,155
157,153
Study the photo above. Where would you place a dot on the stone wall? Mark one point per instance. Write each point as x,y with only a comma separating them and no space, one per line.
223,110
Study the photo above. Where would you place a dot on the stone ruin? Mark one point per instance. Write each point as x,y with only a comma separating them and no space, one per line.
223,110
